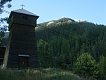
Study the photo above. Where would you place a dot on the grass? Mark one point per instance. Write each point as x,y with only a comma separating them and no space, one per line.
38,74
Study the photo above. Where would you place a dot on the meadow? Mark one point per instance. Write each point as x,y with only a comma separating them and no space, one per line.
38,74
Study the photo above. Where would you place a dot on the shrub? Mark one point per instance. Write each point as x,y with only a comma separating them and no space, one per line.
85,65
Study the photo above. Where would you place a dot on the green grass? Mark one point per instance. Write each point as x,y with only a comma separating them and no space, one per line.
38,74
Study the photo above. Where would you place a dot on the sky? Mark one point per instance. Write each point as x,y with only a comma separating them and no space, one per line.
85,10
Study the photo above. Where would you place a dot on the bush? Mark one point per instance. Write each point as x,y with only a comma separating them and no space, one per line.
85,65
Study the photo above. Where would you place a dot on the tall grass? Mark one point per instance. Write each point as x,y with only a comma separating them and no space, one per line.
38,74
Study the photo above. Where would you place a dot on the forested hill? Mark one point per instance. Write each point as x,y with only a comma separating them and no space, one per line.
69,38
67,27
78,36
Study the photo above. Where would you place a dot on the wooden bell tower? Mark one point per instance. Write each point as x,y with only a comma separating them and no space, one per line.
21,50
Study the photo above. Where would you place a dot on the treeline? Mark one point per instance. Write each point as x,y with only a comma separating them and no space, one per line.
62,42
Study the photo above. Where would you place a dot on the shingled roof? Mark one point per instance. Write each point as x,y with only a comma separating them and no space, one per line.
23,11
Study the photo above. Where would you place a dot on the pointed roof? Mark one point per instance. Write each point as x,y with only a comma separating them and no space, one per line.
23,11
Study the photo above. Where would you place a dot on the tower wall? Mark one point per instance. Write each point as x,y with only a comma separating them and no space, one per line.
21,50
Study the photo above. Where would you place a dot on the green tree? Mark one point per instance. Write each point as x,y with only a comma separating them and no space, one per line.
2,3
2,7
45,58
85,65
3,27
65,54
101,68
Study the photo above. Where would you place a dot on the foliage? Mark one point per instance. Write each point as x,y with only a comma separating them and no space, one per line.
2,3
3,27
85,65
81,37
44,55
101,67
63,42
